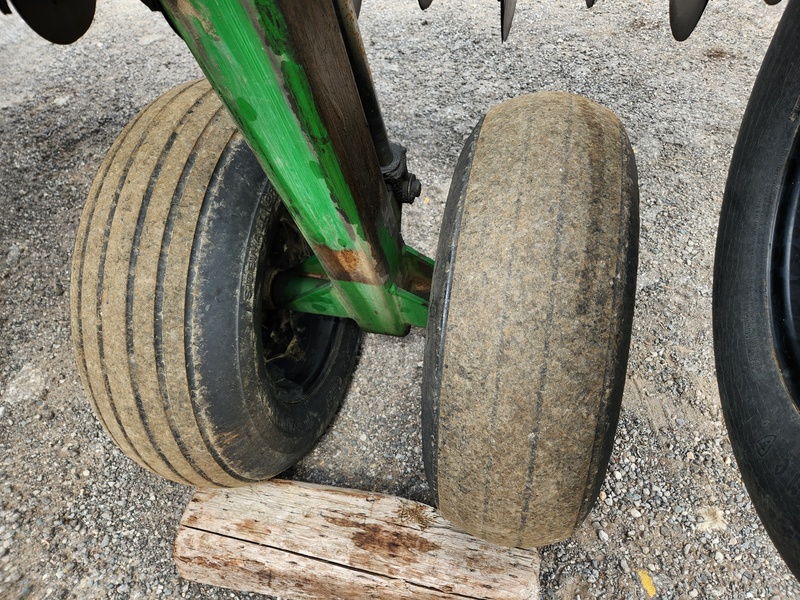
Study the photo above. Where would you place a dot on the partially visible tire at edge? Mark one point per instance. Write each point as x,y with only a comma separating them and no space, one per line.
755,296
530,319
188,371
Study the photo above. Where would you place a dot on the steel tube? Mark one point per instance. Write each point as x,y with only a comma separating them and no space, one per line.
351,33
282,69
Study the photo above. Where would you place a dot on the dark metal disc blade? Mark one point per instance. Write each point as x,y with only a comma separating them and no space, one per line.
772,2
423,4
589,3
507,8
57,21
684,15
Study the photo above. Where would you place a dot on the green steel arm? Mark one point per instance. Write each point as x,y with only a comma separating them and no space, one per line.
281,68
306,289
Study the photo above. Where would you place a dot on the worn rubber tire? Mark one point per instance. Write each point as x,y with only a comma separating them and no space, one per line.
530,319
758,371
167,315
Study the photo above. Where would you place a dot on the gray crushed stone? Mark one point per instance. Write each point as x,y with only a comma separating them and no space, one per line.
78,519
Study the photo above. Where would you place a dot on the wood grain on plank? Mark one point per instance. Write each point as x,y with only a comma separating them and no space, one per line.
299,540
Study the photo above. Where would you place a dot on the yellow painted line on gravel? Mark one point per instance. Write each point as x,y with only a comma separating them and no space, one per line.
647,582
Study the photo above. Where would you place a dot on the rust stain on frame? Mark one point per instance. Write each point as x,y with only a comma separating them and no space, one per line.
348,265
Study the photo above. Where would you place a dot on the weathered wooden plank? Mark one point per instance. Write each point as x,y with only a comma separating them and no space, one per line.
298,541
225,562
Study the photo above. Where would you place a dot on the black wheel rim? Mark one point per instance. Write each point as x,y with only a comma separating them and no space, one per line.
296,346
784,277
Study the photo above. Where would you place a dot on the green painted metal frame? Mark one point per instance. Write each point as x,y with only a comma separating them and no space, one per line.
281,68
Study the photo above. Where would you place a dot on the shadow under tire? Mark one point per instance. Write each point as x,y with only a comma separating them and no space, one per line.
530,319
186,366
756,295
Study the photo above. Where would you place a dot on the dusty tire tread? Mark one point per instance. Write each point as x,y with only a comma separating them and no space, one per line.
77,263
158,449
101,390
158,215
121,385
173,355
180,451
172,250
535,340
618,341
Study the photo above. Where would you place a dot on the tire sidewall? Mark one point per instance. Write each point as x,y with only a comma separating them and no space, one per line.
237,221
442,282
762,418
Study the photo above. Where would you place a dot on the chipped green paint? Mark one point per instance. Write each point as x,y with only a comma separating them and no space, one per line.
245,50
412,307
250,77
305,290
310,295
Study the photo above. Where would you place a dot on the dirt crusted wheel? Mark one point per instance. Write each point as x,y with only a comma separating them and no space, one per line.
530,319
187,367
756,298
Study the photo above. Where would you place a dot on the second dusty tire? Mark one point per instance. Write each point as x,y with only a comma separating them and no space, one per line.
187,368
530,319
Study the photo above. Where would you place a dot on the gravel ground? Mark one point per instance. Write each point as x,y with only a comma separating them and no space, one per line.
78,519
